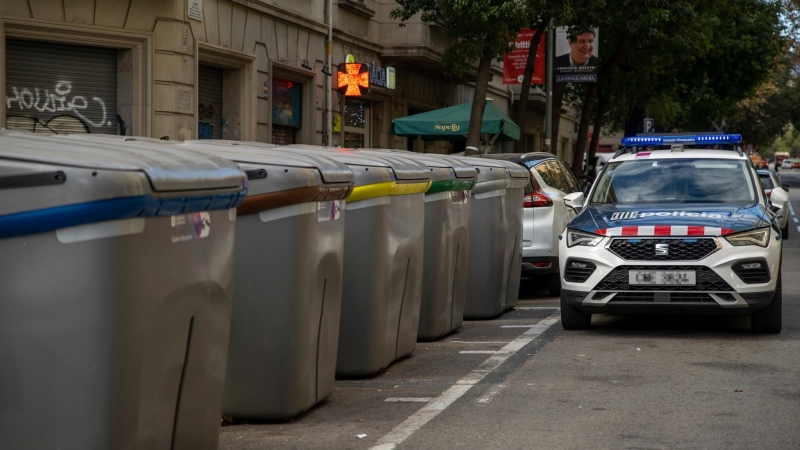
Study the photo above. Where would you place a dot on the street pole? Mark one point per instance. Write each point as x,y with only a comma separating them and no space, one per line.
329,84
548,121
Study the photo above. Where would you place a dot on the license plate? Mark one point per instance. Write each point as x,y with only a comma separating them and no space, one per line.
662,277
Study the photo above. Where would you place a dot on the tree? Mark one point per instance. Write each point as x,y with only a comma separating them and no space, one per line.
481,31
688,63
543,13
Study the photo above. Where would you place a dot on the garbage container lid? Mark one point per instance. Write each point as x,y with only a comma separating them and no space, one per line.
167,171
275,180
447,174
330,170
497,174
94,181
403,169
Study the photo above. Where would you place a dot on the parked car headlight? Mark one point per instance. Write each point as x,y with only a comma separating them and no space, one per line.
758,237
582,238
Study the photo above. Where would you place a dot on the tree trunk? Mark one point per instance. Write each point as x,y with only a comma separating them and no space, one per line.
588,104
583,130
525,90
599,121
555,125
479,101
635,121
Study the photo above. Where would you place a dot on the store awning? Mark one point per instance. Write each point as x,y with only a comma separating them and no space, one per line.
452,124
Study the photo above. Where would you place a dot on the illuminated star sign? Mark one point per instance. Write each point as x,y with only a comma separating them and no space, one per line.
353,79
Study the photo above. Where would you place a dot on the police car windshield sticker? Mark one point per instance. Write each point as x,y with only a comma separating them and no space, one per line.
639,215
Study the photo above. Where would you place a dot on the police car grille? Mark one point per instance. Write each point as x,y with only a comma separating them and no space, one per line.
674,297
679,249
706,280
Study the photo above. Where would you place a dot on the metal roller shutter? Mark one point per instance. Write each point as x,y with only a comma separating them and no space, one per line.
209,107
59,89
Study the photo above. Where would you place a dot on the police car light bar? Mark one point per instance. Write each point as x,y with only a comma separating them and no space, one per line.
701,139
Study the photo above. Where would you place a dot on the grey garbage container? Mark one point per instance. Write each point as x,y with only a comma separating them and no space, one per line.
383,253
288,280
495,237
116,267
446,243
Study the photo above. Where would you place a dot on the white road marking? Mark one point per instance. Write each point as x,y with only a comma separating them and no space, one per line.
791,210
479,342
516,326
489,395
795,219
409,399
798,229
476,352
409,426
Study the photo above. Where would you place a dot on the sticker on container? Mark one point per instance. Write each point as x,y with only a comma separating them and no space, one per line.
202,224
460,197
327,211
190,226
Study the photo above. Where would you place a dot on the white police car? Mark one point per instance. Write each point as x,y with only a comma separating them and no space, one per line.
674,224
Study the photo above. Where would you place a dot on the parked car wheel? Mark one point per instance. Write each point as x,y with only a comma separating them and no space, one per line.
574,319
769,319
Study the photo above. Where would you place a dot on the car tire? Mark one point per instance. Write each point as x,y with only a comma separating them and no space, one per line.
769,319
785,232
554,284
574,319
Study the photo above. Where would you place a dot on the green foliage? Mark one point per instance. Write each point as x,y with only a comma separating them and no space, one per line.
474,25
787,141
693,61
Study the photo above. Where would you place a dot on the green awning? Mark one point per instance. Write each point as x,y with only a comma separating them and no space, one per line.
452,124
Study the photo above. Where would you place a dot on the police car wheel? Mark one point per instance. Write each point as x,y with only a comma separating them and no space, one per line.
785,232
769,319
554,284
574,319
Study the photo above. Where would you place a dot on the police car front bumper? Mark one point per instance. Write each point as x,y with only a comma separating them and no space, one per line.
738,298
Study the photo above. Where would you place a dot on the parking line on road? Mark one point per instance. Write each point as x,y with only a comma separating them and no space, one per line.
791,210
516,326
489,395
428,412
409,399
475,352
798,229
795,219
524,308
479,342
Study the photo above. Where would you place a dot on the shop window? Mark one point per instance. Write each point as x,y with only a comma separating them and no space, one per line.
287,111
357,124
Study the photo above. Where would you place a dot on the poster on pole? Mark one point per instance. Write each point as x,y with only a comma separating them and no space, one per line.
514,62
576,55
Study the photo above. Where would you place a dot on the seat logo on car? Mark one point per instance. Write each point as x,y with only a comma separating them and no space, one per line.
662,249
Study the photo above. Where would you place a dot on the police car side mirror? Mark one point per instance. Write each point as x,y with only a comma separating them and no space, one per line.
778,199
575,200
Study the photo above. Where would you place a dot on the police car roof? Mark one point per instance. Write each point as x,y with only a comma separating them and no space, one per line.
645,154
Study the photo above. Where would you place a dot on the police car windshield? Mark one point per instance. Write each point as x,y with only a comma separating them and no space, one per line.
682,180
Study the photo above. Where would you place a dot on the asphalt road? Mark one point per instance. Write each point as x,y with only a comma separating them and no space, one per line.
522,382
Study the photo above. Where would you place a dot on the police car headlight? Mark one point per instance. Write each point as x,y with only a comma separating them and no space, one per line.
582,238
758,237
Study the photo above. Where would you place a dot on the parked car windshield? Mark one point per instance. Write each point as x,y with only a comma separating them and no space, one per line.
675,181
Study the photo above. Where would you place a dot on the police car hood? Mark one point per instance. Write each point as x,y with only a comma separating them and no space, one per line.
670,219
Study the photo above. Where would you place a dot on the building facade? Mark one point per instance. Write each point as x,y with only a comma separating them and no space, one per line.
227,69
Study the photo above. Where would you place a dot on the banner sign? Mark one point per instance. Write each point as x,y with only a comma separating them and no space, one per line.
576,55
515,61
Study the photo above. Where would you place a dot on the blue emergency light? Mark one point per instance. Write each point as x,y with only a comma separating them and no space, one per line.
701,139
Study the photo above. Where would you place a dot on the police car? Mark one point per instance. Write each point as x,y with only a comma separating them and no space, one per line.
674,224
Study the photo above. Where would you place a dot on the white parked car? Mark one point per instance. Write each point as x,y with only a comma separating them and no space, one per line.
545,215
786,164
